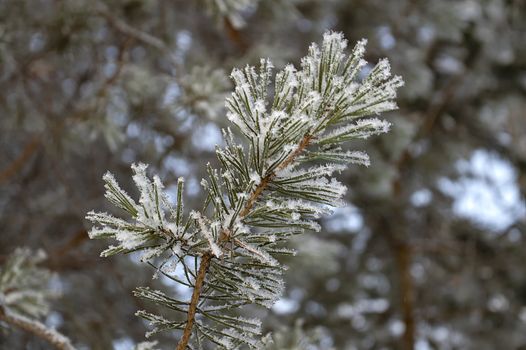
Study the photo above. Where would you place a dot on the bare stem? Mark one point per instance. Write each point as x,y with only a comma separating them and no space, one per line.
200,278
36,328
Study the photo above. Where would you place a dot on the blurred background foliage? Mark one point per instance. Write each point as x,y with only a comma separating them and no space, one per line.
428,253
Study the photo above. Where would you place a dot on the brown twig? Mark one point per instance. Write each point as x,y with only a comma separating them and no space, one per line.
196,294
125,28
207,257
36,328
15,166
235,35
255,195
402,248
403,258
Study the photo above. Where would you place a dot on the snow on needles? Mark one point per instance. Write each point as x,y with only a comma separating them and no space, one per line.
276,177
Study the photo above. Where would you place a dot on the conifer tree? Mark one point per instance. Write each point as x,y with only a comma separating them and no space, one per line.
274,181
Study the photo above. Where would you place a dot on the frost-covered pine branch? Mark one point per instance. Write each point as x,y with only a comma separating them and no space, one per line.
274,182
24,296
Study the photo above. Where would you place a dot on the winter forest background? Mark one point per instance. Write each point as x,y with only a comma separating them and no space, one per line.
429,251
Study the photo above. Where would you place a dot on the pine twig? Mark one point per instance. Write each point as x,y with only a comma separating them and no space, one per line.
196,294
207,257
267,179
37,328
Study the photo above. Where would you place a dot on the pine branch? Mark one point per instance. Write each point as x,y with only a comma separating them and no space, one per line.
267,179
264,192
24,292
206,259
36,328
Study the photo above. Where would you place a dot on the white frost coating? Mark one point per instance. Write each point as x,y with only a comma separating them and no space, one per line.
360,129
288,251
106,218
150,213
377,125
154,320
222,307
111,183
244,195
234,333
130,239
255,177
226,342
150,253
149,231
359,48
236,120
358,157
296,175
207,234
257,253
335,38
297,205
337,155
259,106
248,326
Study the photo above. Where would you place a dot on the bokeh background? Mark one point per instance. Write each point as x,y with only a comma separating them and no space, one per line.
429,252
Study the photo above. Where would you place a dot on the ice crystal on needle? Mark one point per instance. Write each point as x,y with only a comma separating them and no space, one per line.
274,182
